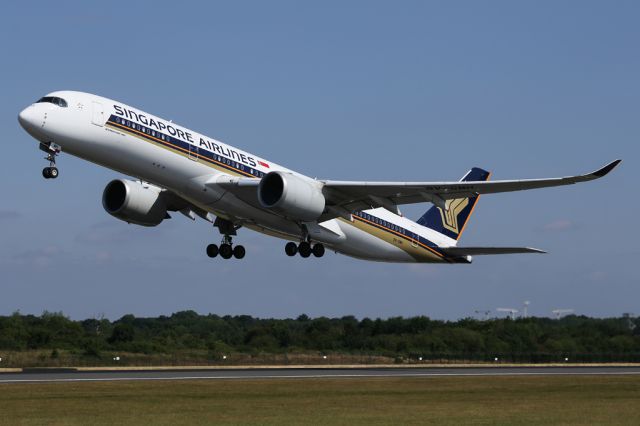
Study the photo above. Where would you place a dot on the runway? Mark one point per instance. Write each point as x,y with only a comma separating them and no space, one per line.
57,376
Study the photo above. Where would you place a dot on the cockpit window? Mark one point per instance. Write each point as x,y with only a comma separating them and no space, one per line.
53,100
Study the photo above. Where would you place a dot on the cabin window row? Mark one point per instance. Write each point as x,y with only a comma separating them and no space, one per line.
143,129
162,136
237,165
384,223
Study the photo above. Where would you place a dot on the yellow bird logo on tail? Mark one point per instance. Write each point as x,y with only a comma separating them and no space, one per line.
450,216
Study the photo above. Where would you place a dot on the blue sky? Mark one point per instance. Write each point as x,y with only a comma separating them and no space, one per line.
342,90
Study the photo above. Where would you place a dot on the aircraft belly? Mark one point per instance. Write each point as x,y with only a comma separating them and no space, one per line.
379,244
176,172
364,245
129,155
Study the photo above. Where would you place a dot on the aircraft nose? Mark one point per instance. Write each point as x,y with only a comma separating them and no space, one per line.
28,118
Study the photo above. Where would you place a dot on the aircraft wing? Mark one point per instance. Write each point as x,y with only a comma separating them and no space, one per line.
475,251
346,196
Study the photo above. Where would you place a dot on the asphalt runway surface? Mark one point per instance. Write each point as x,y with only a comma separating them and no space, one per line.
61,376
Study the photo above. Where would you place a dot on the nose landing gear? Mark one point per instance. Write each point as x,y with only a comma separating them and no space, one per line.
52,151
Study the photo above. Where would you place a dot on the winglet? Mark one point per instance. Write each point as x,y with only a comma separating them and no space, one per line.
606,169
535,250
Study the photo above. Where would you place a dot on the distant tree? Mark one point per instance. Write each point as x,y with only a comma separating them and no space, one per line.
532,339
122,333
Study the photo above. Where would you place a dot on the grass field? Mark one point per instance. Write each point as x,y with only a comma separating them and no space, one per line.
522,400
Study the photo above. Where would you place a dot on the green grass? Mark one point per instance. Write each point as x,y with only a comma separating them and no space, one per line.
563,400
194,357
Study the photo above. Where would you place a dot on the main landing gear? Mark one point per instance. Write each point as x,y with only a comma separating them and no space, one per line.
52,151
226,249
304,248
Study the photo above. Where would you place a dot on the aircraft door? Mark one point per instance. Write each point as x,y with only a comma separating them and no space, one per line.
97,116
414,237
193,152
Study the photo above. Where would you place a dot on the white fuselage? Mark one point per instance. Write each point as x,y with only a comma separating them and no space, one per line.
154,150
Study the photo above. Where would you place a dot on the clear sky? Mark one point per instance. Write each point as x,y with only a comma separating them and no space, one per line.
367,90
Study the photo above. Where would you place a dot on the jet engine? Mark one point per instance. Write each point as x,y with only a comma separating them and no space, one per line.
134,203
291,196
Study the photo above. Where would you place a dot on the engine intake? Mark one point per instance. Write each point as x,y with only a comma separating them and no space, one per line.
134,203
291,196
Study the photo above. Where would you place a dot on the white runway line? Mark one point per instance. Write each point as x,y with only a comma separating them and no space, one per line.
323,376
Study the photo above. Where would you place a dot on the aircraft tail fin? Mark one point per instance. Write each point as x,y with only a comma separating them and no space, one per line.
453,221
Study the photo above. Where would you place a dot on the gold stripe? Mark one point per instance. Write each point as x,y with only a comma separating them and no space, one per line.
166,145
412,240
377,231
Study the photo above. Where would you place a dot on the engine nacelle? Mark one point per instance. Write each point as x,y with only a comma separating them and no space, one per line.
291,196
134,203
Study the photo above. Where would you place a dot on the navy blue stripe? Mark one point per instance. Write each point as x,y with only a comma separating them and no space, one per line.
173,142
404,233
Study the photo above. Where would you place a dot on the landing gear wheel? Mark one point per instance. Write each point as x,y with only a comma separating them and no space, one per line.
239,252
291,248
50,172
318,250
304,248
212,250
226,251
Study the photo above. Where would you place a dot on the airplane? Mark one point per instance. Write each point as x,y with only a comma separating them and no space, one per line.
179,170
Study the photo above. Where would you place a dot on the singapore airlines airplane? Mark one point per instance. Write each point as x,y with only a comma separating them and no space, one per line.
179,170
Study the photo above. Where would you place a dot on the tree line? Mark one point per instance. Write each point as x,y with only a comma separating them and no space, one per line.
524,339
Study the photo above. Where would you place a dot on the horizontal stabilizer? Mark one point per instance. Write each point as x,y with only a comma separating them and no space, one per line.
476,251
